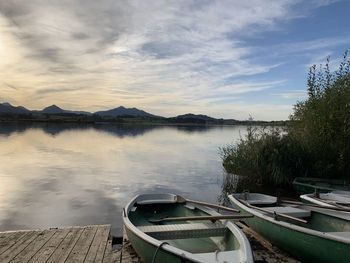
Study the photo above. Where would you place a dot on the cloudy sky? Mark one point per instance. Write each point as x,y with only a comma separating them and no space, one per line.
222,58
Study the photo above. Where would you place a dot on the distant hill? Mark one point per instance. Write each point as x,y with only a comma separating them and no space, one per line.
53,109
122,111
195,119
120,114
195,116
7,108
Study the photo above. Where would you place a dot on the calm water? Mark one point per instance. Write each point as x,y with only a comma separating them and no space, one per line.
63,175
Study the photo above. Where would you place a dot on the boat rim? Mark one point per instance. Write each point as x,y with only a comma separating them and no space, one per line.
241,238
309,198
286,224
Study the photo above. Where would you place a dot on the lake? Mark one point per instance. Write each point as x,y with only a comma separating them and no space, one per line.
55,175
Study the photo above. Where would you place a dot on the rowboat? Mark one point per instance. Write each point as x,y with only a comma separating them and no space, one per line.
165,228
332,199
306,185
311,234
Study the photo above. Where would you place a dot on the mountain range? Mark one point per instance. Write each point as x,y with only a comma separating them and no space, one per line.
8,109
120,114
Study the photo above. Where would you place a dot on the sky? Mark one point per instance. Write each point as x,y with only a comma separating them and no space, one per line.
226,59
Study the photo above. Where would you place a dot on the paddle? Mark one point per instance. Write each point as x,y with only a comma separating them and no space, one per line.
274,213
181,199
317,206
198,218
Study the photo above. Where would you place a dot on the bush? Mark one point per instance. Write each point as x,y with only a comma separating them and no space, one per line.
316,142
266,156
322,122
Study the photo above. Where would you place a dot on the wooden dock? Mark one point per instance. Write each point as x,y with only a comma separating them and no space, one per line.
94,244
73,244
263,251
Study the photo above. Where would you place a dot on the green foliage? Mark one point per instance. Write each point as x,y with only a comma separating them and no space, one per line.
266,156
315,144
322,122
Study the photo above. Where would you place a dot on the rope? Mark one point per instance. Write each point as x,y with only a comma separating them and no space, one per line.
158,248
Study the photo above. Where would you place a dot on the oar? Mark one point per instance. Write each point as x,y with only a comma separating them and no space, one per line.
181,199
198,218
274,213
317,206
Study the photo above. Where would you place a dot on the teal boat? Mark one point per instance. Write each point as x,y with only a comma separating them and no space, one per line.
164,228
334,199
311,234
307,185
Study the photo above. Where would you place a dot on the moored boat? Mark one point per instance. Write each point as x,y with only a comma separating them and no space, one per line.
165,228
308,233
306,185
340,199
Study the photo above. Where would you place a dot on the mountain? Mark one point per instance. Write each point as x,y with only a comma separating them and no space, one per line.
7,108
195,116
191,118
122,111
53,109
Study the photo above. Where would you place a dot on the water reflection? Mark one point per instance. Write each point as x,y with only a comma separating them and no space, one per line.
120,130
60,175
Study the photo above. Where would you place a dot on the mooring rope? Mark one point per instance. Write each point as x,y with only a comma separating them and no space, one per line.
158,248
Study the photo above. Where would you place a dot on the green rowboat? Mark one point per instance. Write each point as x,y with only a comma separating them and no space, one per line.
308,233
334,199
307,185
164,228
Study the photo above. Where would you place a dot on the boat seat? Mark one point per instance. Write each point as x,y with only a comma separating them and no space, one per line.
155,201
341,234
180,231
290,211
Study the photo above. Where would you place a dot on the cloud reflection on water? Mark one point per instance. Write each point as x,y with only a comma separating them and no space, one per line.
53,175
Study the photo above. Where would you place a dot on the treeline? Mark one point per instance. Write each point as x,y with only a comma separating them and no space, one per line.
94,118
315,143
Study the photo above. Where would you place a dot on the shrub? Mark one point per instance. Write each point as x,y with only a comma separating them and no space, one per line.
316,142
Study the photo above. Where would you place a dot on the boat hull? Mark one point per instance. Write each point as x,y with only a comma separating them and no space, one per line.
184,241
146,250
304,185
304,246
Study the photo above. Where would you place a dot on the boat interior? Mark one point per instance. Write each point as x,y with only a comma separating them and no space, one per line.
324,220
192,236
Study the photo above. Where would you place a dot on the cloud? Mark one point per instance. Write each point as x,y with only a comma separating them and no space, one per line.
135,53
293,94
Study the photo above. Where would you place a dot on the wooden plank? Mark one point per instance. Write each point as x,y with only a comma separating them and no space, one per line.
98,246
9,254
60,248
126,253
4,235
10,240
50,246
26,254
81,248
198,218
102,248
107,258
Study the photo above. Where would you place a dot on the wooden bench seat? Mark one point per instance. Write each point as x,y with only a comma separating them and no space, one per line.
180,231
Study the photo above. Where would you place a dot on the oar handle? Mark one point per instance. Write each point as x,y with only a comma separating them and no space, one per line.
212,205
